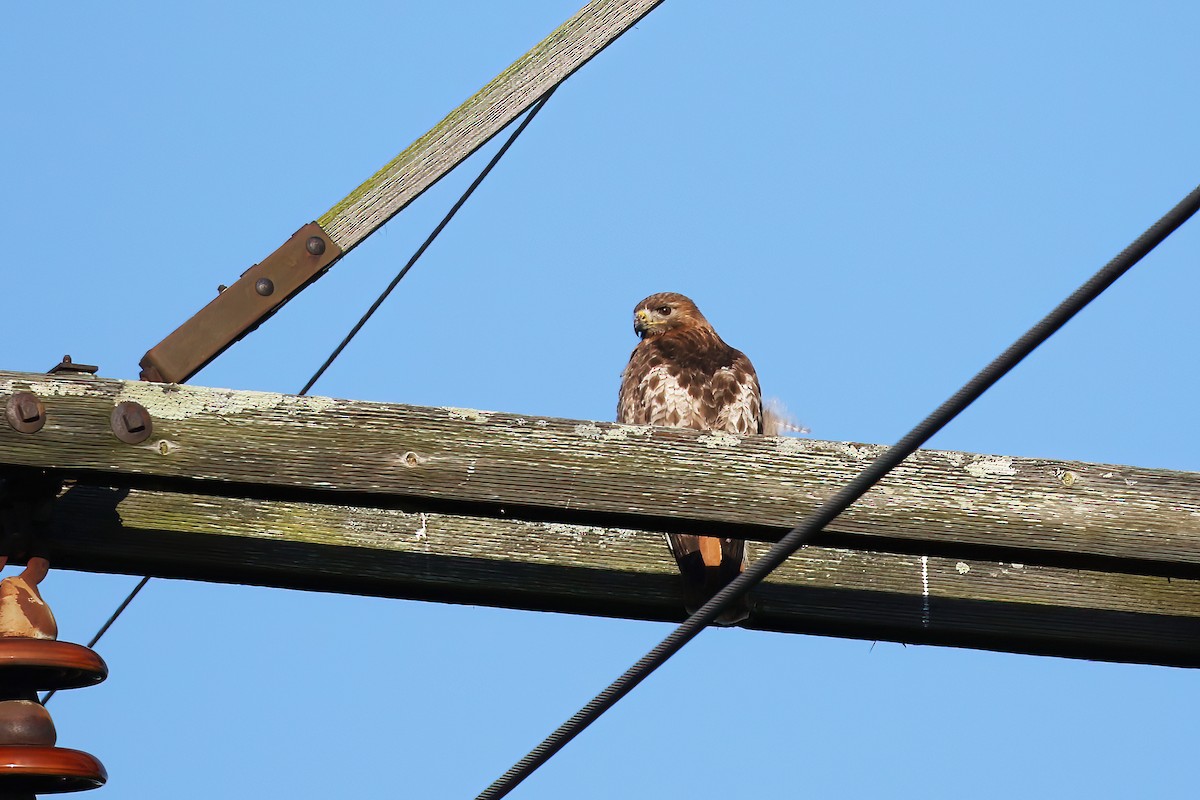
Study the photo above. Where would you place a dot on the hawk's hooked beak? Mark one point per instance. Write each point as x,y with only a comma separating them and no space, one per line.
641,321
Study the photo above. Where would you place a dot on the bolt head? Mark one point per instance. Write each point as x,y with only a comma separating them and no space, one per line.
315,245
131,422
25,412
28,408
265,287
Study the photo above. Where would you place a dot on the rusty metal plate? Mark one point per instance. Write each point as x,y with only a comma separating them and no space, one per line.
260,292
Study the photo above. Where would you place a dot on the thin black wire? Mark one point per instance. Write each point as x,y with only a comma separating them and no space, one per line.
813,524
429,240
108,624
374,307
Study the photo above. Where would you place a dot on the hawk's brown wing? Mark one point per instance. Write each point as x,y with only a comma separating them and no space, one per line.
695,380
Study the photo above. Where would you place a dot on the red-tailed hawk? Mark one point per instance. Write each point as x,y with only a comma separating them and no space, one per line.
683,375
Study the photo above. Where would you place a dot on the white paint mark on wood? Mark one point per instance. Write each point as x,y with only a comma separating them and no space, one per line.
720,439
962,567
185,404
589,431
856,451
574,532
467,414
990,467
625,431
46,388
614,433
790,447
925,591
422,531
601,538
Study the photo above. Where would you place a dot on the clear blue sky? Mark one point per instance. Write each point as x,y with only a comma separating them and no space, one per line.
869,199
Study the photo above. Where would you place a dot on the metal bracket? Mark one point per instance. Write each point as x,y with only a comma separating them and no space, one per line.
237,310
69,367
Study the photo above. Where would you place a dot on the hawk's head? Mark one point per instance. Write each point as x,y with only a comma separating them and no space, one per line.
666,311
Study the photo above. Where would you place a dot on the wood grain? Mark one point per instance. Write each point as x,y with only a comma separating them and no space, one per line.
620,572
1063,513
470,125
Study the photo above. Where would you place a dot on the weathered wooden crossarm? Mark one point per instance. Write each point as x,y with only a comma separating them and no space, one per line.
209,440
619,572
451,504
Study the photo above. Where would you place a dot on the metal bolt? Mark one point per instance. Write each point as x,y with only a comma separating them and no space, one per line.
25,412
264,286
315,245
131,422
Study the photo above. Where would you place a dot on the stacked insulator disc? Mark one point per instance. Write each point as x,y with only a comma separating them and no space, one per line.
32,661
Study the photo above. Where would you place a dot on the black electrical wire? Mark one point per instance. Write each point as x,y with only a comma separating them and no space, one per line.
374,307
429,239
813,524
107,624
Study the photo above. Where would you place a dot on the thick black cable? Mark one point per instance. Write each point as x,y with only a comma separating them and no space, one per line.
429,240
803,533
107,624
374,307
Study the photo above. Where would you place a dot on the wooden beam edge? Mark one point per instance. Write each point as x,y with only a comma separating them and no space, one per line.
622,573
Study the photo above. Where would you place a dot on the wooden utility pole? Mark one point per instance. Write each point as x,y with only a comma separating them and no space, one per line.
456,505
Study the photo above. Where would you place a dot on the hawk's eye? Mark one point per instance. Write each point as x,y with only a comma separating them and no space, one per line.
664,310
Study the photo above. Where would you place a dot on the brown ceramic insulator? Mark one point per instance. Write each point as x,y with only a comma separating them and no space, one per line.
37,664
26,722
23,612
47,770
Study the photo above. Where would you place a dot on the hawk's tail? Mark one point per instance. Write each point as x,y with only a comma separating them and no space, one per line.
707,564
